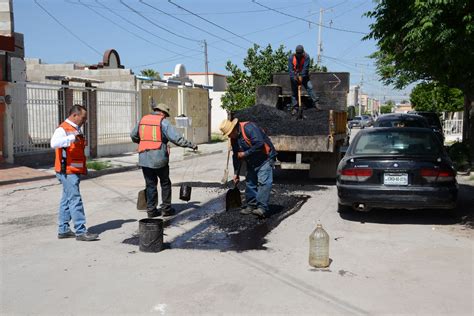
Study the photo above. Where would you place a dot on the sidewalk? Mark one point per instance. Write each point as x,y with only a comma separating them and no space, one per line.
13,175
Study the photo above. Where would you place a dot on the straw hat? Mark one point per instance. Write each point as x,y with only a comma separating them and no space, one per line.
227,126
162,107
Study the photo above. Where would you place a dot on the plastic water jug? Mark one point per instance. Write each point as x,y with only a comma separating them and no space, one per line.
319,247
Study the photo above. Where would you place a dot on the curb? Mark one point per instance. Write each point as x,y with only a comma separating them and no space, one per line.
99,173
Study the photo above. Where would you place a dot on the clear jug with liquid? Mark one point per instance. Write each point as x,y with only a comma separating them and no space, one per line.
319,247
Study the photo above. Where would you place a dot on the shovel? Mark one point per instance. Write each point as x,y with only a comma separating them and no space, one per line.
232,197
225,178
300,106
141,201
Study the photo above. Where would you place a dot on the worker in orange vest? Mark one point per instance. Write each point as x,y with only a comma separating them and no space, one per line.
252,145
298,68
70,164
152,134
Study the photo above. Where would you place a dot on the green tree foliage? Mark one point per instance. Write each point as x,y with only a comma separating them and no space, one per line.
431,96
150,73
386,108
259,65
431,40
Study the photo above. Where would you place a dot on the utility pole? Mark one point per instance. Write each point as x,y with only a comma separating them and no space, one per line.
206,63
320,47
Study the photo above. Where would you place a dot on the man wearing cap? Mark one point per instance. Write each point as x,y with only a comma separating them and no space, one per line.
250,143
298,67
152,134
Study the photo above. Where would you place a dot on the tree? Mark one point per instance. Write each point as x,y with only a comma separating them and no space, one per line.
430,40
431,96
150,73
260,65
386,108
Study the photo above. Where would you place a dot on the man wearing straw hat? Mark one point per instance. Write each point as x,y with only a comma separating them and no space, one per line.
152,134
250,143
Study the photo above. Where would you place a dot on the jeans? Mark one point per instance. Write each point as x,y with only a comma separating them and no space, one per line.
259,185
151,179
307,85
71,206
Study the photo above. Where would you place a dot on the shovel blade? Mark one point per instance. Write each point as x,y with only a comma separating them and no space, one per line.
233,199
141,200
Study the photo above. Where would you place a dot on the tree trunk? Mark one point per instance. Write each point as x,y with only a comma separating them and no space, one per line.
468,123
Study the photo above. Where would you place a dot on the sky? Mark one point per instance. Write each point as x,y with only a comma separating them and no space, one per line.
159,34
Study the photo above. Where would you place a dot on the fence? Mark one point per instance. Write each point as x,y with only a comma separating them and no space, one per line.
453,129
40,108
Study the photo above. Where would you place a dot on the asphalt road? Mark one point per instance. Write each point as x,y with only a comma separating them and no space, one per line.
383,262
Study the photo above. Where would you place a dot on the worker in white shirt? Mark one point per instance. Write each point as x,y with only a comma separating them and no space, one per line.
70,164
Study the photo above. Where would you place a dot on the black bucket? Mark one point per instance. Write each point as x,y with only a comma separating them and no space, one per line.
185,192
150,231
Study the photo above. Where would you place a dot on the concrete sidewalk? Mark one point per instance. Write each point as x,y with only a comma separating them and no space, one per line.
14,175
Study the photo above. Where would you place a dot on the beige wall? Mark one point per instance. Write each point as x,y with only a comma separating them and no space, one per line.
192,102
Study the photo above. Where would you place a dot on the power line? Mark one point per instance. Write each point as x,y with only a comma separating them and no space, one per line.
118,25
210,22
192,25
159,26
209,13
146,31
67,29
308,21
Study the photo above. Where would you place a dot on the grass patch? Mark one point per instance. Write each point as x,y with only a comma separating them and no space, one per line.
98,165
217,138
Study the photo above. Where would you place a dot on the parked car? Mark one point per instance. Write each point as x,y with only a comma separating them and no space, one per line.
361,121
433,121
396,168
401,120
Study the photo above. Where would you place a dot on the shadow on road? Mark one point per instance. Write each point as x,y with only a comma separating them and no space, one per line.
463,214
110,225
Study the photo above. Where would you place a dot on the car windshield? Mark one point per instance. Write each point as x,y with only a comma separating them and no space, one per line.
397,142
357,118
400,123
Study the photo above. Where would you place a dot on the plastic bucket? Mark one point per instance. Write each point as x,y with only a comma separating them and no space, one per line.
150,231
185,192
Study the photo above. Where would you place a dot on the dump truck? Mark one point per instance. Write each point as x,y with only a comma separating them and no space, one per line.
314,142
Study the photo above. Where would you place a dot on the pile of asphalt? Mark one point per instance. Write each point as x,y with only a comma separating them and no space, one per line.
280,122
282,204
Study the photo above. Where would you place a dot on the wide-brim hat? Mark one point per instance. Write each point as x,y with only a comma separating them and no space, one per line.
227,126
163,108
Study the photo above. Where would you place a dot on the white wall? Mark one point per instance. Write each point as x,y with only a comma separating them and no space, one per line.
217,112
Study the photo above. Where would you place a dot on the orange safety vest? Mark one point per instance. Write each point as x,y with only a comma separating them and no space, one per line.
75,160
296,65
149,130
266,147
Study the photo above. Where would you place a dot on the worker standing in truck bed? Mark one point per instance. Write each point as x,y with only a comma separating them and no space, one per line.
298,68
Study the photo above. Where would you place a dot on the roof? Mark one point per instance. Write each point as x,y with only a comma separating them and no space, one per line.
197,74
74,79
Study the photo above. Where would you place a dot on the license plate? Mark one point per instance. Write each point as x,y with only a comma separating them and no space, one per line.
395,179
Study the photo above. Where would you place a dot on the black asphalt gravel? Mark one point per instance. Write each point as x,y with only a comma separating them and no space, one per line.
281,122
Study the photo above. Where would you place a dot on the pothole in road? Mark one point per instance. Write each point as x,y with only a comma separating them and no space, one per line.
232,231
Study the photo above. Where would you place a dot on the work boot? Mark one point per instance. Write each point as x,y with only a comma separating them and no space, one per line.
153,213
69,234
259,212
168,212
246,210
87,237
316,105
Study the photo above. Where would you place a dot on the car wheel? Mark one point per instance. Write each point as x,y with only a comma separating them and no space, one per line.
343,208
